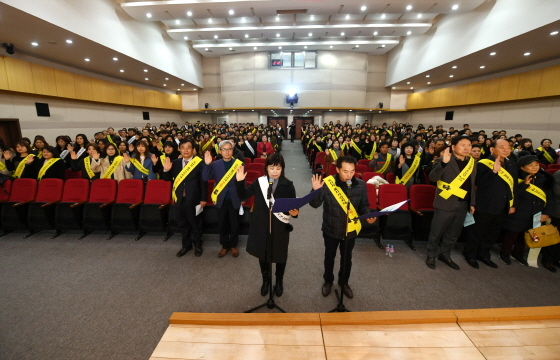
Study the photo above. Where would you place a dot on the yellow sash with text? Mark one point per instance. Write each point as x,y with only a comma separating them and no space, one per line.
387,162
506,176
139,166
342,200
355,146
370,156
110,139
454,188
546,155
333,155
87,166
411,170
183,174
535,190
21,166
208,143
46,166
225,180
111,170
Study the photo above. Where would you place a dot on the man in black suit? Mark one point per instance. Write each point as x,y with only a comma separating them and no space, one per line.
496,181
188,193
249,147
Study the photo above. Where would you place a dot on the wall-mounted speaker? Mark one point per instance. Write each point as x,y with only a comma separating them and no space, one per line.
146,115
42,109
449,115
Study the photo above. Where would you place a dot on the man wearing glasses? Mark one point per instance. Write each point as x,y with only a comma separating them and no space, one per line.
224,195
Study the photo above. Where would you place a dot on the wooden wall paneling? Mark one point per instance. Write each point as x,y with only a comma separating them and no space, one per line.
446,97
160,99
44,80
3,76
550,81
459,95
65,86
149,98
113,93
508,87
20,77
412,100
474,93
433,98
490,90
99,89
83,87
127,97
529,84
168,100
422,100
177,102
138,96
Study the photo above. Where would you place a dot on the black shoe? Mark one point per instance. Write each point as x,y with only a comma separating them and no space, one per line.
265,284
326,290
449,262
183,251
279,287
198,251
487,262
549,267
347,291
431,262
472,262
505,258
519,259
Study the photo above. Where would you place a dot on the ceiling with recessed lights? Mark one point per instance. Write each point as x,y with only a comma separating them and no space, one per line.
216,28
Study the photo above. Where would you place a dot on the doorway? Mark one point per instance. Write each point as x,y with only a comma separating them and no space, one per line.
10,131
300,121
282,120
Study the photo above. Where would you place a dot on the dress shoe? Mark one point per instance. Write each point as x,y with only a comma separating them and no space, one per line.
505,258
234,252
519,259
222,253
183,251
326,290
472,262
487,262
549,267
279,287
347,291
431,262
265,284
198,251
449,262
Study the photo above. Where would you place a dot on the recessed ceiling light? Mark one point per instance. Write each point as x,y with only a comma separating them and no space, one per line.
454,67
347,17
527,54
305,47
279,47
121,70
408,83
427,75
180,90
383,16
243,19
215,36
331,46
312,17
310,34
116,59
409,7
411,87
185,38
349,110
205,49
482,67
554,33
341,34
429,83
278,18
146,79
394,87
357,46
233,109
363,8
86,59
255,48
189,13
210,21
246,35
177,21
166,78
252,110
408,32
330,110
383,45
455,7
35,44
148,15
182,84
195,90
277,35
450,75
419,16
145,70
69,41
230,49
164,84
231,12
374,33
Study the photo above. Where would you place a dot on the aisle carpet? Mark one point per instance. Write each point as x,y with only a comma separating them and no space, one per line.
97,299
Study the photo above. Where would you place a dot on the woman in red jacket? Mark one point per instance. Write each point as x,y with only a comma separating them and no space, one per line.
264,148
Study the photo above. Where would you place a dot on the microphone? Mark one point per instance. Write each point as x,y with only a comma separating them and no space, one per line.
349,183
270,182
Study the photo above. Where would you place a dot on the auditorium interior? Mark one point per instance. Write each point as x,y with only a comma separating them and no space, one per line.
82,67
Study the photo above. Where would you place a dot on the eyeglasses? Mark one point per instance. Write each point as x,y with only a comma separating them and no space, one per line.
228,149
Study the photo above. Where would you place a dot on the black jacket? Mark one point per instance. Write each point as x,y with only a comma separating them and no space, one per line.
493,193
79,165
55,171
196,188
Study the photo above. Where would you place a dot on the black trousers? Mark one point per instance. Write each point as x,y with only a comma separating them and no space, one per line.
228,220
190,225
280,268
331,246
446,229
551,253
483,234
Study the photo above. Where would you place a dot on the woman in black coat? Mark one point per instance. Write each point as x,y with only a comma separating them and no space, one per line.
256,243
49,166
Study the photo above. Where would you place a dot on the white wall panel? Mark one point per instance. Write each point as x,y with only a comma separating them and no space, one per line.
237,62
238,99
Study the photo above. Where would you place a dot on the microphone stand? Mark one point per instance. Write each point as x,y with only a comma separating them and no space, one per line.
340,297
270,302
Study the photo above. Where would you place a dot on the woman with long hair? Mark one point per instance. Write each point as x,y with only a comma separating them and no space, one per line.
80,146
111,166
281,228
142,164
39,143
84,163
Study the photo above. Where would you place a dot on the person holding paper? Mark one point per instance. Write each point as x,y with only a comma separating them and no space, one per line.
334,197
455,174
281,228
535,204
189,190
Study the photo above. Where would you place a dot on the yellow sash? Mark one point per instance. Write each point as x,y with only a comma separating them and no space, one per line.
387,162
318,147
502,174
535,190
355,146
40,154
208,143
183,174
454,188
21,166
370,156
333,154
411,170
217,149
162,159
2,166
87,166
139,166
46,166
390,132
225,180
254,131
546,155
110,138
342,200
482,151
116,161
309,142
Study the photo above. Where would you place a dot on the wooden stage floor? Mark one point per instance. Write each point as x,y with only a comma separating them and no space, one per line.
491,334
